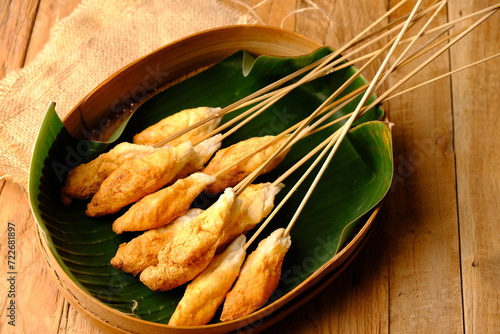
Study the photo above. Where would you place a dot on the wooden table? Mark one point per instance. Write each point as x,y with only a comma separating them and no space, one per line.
432,264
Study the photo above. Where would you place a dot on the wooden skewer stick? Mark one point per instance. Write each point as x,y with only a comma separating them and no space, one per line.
400,57
340,103
396,24
397,64
393,96
287,196
251,177
240,187
305,158
442,76
464,18
324,65
347,125
302,125
431,42
412,42
431,58
336,138
431,45
263,225
316,67
364,108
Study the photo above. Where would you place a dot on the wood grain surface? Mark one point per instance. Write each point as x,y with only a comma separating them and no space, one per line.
432,264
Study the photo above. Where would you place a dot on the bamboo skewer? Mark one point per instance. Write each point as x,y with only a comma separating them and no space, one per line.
316,67
325,64
335,138
414,38
412,42
302,125
336,142
327,67
442,76
434,56
397,23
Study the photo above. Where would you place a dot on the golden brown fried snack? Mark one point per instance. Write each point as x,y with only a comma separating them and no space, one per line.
204,152
248,210
84,180
229,155
208,290
177,122
162,207
138,178
192,249
141,252
258,277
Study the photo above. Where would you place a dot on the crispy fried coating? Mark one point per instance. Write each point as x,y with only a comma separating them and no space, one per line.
84,180
142,251
208,290
177,122
191,249
162,207
138,178
204,152
258,277
229,155
248,210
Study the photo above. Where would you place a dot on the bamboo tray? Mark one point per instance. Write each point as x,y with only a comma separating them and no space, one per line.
181,59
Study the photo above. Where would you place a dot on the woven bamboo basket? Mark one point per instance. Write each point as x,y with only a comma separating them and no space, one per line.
180,59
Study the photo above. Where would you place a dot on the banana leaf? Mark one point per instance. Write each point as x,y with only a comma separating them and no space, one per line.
355,182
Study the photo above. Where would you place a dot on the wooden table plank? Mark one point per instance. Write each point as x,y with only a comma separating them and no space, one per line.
39,295
425,290
49,13
476,99
16,22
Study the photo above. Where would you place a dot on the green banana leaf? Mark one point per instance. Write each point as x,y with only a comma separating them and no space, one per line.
355,182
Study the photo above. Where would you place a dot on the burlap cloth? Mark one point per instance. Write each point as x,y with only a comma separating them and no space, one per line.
96,40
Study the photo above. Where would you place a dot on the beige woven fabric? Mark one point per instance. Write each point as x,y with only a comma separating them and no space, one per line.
96,40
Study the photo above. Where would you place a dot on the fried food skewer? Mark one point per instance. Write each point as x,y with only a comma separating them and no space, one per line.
84,180
226,156
142,251
258,277
138,178
175,123
203,153
248,210
162,207
208,290
192,249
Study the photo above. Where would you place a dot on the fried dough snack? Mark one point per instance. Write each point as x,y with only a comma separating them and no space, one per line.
258,277
204,152
191,249
227,156
142,251
248,210
84,180
208,290
138,178
162,207
177,122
